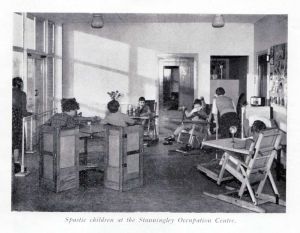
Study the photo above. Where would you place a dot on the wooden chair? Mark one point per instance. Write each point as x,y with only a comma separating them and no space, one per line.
252,171
198,132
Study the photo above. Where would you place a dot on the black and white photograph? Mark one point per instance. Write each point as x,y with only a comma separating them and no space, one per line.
151,119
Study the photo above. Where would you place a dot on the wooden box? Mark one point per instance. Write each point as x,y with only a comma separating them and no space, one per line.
124,158
59,158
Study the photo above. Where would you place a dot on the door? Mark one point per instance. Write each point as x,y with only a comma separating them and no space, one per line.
186,83
40,94
36,86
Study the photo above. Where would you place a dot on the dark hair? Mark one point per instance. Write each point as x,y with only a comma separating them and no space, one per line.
242,100
113,106
17,82
258,126
198,101
142,98
69,104
220,91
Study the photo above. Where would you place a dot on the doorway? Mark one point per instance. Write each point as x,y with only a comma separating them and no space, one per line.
229,72
171,87
176,89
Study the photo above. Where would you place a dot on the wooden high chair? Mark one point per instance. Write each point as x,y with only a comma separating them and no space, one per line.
255,169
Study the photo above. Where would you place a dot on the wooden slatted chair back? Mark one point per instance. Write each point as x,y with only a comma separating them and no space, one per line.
265,150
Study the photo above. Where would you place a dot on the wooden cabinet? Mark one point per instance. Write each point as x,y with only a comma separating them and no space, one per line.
124,158
59,158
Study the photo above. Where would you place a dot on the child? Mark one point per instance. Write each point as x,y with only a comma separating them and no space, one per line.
256,128
197,113
66,118
115,117
143,110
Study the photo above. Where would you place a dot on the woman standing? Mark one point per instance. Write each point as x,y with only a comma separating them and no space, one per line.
224,112
19,111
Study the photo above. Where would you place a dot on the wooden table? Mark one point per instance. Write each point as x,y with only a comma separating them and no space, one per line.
212,168
140,117
200,122
227,145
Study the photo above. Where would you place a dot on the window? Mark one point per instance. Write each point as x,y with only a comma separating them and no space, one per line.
50,37
18,30
30,32
40,35
17,64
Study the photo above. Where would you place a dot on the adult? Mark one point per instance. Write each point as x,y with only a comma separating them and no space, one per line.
224,112
19,111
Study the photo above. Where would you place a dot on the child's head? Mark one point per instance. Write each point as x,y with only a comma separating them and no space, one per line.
257,127
142,101
69,106
197,103
113,106
202,101
220,91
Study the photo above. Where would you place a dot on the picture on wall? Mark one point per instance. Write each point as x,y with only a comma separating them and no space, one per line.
278,74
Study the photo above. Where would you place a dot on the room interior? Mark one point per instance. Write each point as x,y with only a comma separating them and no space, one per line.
67,55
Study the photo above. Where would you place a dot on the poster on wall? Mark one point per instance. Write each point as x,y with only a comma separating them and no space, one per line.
278,74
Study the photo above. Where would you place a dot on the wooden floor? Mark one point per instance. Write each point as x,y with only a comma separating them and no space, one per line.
171,184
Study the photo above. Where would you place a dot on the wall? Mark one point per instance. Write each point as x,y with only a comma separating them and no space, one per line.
124,57
269,31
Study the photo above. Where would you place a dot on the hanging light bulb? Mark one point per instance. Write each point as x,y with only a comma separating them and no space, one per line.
218,21
97,21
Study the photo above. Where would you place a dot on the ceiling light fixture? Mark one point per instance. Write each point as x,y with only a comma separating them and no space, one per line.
218,21
97,21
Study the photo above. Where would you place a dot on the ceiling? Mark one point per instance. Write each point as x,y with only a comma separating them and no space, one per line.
61,18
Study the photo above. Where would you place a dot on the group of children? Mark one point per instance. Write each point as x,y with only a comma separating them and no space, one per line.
199,113
67,119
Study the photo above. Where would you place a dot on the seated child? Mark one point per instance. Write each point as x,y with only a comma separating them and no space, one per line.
66,118
143,110
197,113
256,128
115,117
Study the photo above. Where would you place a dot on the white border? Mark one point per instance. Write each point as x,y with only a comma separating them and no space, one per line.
55,222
